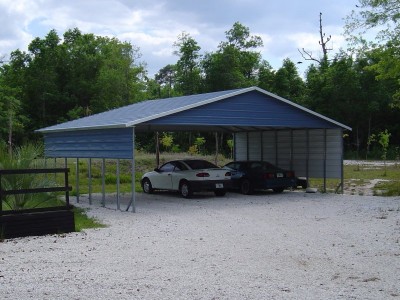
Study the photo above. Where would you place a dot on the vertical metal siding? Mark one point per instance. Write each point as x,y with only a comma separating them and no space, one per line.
255,146
268,147
284,148
292,145
106,143
240,146
300,152
334,153
316,153
250,109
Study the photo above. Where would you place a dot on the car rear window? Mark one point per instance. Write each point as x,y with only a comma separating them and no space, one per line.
200,164
269,167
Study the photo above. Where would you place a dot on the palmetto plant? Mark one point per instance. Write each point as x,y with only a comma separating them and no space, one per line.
24,157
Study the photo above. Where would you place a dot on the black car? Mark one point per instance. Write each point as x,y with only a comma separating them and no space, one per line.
248,176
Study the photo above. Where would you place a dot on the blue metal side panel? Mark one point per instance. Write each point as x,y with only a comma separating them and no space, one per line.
249,109
106,143
119,117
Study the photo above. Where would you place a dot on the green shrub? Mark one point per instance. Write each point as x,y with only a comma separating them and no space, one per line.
25,157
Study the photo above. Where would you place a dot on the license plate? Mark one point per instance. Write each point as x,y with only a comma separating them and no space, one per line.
279,175
219,185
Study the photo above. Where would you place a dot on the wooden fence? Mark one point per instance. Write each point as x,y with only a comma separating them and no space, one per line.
36,221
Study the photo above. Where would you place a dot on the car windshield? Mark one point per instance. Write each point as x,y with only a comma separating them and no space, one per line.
200,164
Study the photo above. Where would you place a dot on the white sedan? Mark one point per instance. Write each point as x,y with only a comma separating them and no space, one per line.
187,176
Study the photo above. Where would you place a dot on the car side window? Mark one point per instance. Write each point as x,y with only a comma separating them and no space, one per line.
256,166
230,166
234,166
180,166
241,167
168,167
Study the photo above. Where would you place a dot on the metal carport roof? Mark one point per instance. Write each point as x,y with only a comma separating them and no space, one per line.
111,134
233,110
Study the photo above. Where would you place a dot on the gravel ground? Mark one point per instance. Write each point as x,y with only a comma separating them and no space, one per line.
292,245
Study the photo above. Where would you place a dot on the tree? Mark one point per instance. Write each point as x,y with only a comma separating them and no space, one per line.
166,79
167,140
118,81
370,14
382,16
12,121
383,140
62,79
288,83
187,67
43,101
235,64
346,90
323,42
266,77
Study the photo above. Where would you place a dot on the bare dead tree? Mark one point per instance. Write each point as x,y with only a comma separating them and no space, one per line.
308,55
2,57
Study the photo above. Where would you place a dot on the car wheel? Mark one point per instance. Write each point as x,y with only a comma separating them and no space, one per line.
146,186
245,187
278,190
220,193
185,189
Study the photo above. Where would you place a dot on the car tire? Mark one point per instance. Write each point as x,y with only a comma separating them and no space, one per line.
245,187
220,193
185,190
147,187
278,190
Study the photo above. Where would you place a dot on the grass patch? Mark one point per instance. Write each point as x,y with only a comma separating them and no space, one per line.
387,188
372,172
358,175
144,162
354,175
82,221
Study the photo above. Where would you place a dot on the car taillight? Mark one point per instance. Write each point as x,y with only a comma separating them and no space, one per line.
290,174
269,175
203,174
228,174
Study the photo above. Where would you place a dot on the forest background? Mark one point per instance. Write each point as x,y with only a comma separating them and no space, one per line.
79,74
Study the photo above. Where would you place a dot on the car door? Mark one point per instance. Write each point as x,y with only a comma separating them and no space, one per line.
236,171
163,179
178,174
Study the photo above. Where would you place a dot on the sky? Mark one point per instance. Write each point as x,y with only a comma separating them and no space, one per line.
154,25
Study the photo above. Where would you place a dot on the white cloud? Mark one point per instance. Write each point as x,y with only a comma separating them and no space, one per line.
154,25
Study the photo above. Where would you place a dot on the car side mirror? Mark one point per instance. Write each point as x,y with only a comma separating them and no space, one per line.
157,170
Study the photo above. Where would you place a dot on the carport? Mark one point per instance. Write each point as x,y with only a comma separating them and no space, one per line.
265,126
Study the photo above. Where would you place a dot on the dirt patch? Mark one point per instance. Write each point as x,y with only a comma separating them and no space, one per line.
365,187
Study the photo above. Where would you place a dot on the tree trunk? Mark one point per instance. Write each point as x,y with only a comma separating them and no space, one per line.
216,148
10,131
157,150
369,134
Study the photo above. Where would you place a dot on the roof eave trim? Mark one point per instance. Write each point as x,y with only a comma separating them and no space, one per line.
49,130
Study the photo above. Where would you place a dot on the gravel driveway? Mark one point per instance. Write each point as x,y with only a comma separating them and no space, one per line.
292,245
